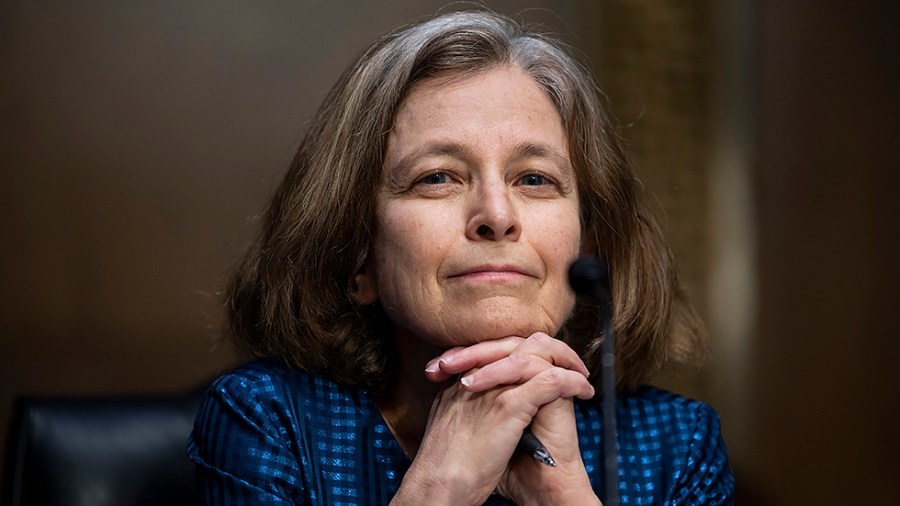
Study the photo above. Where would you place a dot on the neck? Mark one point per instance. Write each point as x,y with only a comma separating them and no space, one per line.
407,400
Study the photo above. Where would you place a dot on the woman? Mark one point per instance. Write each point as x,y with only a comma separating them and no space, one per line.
408,304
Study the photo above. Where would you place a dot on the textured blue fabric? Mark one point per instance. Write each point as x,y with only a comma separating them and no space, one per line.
267,435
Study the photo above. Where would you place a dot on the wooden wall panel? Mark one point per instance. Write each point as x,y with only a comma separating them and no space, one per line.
825,407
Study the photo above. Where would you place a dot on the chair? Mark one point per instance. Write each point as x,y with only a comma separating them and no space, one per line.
124,451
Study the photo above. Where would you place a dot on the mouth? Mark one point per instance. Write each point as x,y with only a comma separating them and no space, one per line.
490,273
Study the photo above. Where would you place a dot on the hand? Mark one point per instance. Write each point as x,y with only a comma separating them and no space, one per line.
476,423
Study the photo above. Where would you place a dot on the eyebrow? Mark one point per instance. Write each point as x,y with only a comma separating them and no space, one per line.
532,150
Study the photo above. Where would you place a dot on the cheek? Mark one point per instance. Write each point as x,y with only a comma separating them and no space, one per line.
408,248
560,235
560,245
413,235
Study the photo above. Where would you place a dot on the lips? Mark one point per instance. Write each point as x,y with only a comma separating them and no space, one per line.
492,272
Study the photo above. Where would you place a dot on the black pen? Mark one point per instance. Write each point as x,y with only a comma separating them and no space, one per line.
530,444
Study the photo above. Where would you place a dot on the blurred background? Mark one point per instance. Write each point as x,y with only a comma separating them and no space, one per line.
139,140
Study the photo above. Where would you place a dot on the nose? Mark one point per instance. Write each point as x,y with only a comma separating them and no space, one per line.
493,215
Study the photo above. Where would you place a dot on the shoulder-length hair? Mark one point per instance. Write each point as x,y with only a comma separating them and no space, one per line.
290,296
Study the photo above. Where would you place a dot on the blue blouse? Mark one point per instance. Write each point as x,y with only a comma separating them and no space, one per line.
268,435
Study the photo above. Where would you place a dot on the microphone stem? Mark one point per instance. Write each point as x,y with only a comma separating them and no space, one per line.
608,375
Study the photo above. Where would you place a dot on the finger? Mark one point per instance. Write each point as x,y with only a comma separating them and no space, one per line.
511,370
554,351
433,371
556,382
524,370
463,358
543,388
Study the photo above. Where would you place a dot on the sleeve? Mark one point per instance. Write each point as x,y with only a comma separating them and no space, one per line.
241,456
707,478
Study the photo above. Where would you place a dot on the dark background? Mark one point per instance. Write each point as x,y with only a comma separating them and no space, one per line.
139,140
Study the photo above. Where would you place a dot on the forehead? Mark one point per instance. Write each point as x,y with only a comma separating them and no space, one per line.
501,101
475,84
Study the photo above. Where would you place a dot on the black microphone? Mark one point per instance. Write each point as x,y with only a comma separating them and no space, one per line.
589,276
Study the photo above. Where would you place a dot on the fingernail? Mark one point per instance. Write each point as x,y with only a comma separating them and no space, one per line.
432,366
467,380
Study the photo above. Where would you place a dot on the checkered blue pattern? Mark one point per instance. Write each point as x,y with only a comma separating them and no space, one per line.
267,435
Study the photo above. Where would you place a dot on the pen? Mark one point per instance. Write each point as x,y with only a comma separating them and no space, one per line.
530,444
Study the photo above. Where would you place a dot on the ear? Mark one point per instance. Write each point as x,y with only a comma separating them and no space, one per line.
363,288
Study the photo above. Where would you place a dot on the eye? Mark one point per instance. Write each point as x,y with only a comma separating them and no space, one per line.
533,180
434,178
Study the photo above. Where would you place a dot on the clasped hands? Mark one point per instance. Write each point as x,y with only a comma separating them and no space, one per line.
505,385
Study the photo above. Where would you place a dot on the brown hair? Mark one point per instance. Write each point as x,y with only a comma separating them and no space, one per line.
289,297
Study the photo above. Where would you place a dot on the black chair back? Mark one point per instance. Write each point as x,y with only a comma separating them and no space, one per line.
101,451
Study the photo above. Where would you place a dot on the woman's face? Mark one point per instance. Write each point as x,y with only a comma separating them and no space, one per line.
477,212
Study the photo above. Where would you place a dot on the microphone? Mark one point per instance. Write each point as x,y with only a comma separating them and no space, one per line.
589,276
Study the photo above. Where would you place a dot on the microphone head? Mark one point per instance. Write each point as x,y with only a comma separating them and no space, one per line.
589,275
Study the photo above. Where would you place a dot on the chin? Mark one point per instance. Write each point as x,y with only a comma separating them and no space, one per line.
467,324
499,324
